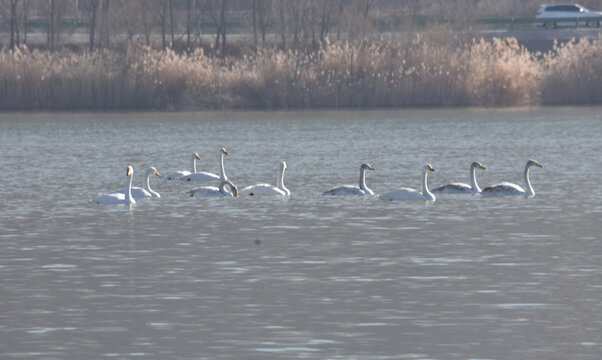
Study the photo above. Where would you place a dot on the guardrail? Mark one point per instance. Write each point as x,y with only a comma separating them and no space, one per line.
549,23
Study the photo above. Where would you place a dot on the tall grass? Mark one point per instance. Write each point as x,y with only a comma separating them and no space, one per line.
418,72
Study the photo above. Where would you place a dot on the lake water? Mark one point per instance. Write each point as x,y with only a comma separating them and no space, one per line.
465,277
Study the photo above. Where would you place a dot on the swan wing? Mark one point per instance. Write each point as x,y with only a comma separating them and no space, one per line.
261,189
504,188
345,190
206,191
454,188
109,199
199,176
177,174
137,192
402,194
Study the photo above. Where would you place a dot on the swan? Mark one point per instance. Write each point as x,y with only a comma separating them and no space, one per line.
267,189
118,198
461,188
212,191
205,176
145,191
411,194
362,189
177,174
506,188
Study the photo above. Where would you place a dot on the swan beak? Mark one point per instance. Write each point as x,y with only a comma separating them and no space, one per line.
431,168
197,156
130,171
482,167
370,167
224,151
538,164
157,173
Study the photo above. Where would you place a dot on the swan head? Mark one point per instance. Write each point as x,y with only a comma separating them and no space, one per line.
283,165
154,171
224,152
367,166
533,163
477,165
233,187
428,167
196,156
130,171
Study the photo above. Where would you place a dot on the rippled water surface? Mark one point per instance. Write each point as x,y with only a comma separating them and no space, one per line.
312,277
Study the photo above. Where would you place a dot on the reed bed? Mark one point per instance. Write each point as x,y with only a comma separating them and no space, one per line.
416,72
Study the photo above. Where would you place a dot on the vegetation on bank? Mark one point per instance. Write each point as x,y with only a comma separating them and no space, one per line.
423,71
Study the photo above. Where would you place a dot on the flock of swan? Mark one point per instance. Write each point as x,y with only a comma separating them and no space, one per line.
226,188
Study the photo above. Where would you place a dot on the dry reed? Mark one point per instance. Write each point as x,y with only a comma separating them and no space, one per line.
416,72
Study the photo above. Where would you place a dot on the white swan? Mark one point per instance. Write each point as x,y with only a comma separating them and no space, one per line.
212,191
362,189
462,188
178,174
411,194
205,176
506,188
145,191
267,189
117,198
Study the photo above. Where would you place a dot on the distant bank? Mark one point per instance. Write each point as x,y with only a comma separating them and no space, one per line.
418,70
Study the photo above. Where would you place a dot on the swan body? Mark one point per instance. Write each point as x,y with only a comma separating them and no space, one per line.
212,191
267,189
412,194
145,191
202,176
462,188
362,189
510,189
119,198
178,174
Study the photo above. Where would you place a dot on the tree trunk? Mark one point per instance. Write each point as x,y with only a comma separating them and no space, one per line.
163,15
282,26
254,16
106,31
13,22
188,21
94,7
223,22
171,27
145,23
25,17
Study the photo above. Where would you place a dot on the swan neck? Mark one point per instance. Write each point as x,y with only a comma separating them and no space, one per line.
193,164
363,181
222,172
280,182
528,186
147,182
424,186
473,180
128,190
233,188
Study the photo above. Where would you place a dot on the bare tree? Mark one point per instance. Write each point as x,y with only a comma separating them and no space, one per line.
326,12
94,4
217,11
14,24
55,10
147,21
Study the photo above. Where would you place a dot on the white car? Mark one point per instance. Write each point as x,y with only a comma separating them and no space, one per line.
551,13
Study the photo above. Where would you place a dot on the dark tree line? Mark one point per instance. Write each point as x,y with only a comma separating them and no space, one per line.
285,23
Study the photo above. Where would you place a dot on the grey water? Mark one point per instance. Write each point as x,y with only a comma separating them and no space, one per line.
313,277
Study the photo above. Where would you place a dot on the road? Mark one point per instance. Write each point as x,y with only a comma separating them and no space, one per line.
537,39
